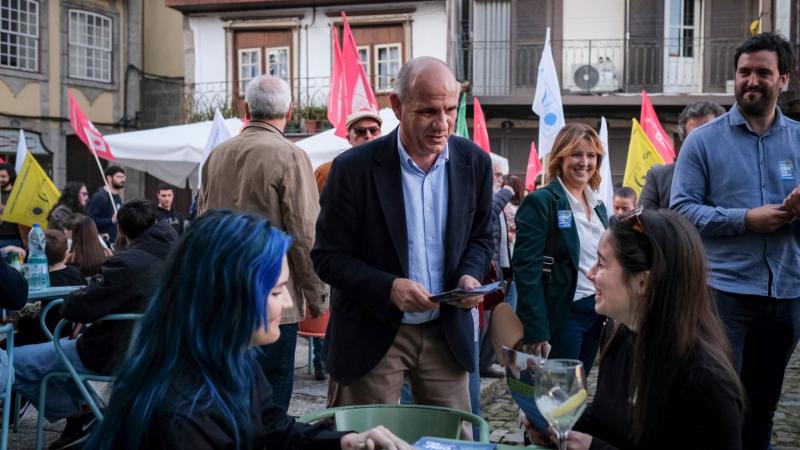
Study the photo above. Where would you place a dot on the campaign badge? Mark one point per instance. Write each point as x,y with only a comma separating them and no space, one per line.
565,219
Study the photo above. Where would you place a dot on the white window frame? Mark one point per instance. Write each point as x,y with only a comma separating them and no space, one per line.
378,47
366,64
81,52
268,51
243,82
27,41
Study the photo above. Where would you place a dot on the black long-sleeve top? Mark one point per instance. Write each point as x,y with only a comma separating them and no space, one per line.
13,287
177,427
703,411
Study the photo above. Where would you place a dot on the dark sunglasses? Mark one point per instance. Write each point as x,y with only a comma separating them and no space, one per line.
632,218
362,131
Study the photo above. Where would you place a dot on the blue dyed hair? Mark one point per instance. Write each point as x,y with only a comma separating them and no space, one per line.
196,332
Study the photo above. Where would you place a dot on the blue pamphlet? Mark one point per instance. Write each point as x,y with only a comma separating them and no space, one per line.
432,443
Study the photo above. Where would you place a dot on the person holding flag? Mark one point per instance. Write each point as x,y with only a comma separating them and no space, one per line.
106,201
101,209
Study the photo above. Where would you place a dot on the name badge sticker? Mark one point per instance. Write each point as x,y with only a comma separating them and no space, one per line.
565,219
786,169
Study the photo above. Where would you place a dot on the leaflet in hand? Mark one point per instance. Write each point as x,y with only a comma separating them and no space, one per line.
521,371
459,294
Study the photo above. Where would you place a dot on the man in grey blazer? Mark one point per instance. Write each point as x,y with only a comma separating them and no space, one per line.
658,181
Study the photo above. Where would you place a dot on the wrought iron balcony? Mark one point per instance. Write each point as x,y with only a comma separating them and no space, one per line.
694,66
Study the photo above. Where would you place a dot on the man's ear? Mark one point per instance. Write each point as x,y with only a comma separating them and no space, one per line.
289,113
397,106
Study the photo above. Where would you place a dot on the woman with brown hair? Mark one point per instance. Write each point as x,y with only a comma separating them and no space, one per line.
666,380
558,228
86,252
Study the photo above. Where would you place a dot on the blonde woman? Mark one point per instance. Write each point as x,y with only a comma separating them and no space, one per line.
558,228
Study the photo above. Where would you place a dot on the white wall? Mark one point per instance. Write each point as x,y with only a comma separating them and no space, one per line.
429,30
783,17
428,38
209,49
602,22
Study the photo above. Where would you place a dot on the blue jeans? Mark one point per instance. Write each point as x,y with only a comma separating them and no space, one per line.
511,296
579,337
320,349
277,362
33,362
4,371
763,333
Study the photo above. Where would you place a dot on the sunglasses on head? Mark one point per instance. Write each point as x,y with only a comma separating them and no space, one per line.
362,131
632,218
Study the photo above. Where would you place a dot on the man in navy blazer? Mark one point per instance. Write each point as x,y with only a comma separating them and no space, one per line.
404,217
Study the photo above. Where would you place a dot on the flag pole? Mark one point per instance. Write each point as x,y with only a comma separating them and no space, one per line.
103,176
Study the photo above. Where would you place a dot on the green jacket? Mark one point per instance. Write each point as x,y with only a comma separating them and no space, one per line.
544,310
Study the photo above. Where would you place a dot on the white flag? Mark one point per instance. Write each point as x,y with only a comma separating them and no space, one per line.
547,100
22,152
219,134
606,189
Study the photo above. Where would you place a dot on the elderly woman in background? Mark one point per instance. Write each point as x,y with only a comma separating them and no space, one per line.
558,228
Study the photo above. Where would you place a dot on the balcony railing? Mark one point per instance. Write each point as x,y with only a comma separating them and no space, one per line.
701,65
201,99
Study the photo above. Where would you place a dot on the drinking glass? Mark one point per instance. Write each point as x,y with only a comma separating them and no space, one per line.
560,393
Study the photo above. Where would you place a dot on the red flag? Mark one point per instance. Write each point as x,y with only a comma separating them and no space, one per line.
652,128
533,170
86,131
480,134
357,92
335,103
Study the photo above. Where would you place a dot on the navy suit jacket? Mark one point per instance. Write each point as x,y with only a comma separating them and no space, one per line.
362,247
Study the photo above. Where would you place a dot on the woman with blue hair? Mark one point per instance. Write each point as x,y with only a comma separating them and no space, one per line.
192,380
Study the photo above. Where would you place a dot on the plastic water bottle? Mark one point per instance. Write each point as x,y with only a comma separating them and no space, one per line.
37,274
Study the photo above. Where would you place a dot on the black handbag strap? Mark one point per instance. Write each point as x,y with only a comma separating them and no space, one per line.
548,257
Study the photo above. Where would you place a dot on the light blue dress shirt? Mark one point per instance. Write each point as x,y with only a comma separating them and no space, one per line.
724,169
425,199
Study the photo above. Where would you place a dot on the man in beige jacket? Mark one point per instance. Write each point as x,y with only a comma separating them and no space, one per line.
261,171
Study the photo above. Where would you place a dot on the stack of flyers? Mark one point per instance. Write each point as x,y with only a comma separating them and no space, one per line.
432,443
521,372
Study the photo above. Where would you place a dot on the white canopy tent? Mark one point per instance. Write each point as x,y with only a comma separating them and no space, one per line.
171,154
325,146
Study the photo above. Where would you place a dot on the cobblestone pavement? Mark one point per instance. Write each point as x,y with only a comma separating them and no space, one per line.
501,412
496,405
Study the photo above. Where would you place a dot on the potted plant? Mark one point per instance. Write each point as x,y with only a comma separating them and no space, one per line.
313,116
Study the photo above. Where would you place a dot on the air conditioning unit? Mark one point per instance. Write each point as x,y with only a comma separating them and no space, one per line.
599,77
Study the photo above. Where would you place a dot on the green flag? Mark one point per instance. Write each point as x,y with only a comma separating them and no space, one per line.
461,119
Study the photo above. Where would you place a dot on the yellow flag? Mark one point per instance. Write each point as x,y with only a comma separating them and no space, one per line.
642,155
32,197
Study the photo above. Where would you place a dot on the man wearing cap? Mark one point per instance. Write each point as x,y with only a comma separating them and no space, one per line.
362,127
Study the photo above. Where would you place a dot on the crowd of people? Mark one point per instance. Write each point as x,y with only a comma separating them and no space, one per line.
691,299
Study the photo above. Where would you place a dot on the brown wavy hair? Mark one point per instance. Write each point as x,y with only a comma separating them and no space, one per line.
677,315
566,140
86,252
